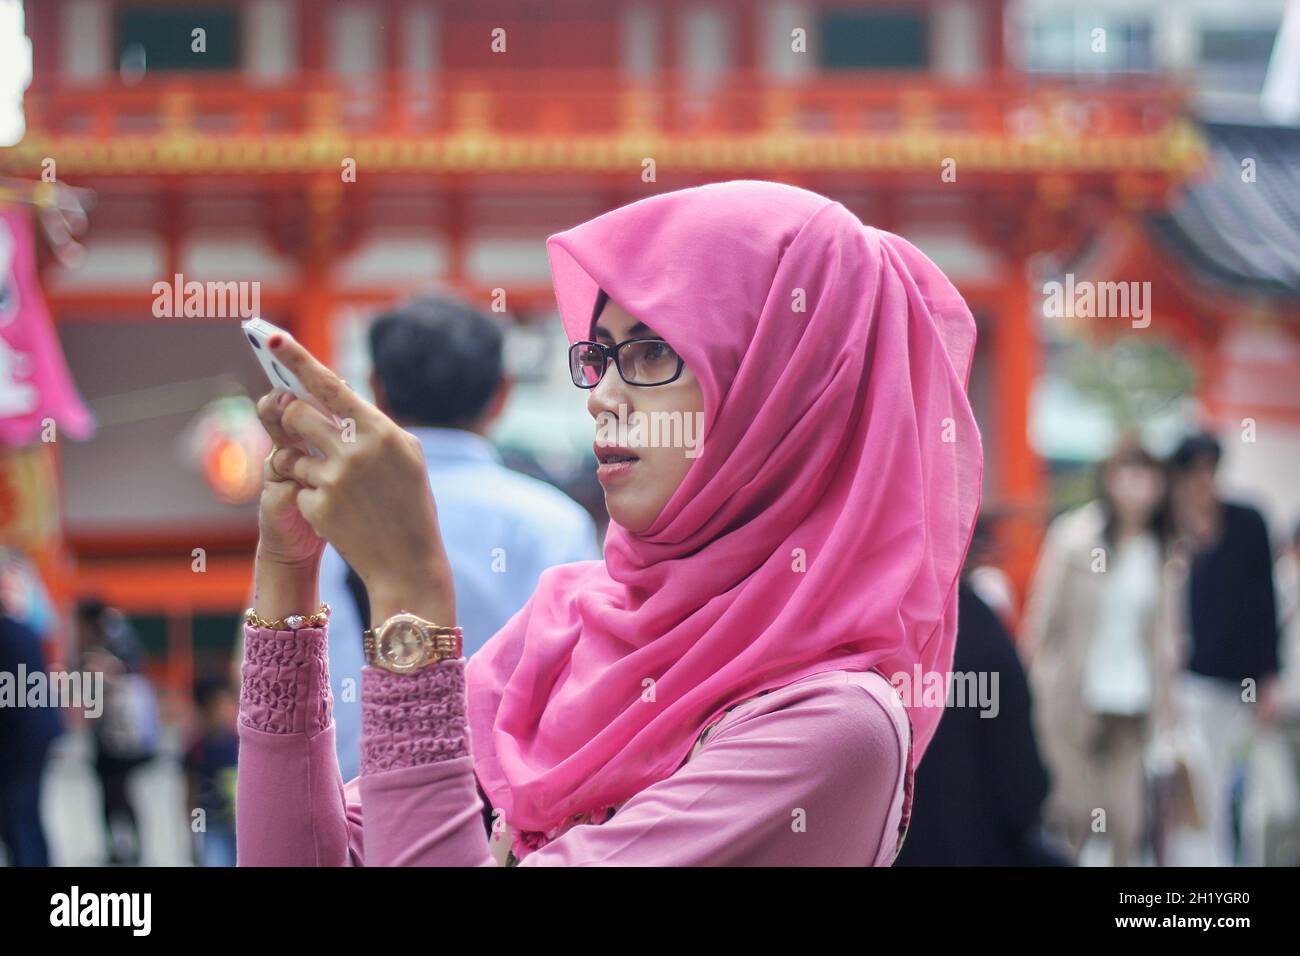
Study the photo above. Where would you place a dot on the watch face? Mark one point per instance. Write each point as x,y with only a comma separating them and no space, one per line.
402,644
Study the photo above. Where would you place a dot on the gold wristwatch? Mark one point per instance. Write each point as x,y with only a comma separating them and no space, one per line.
404,643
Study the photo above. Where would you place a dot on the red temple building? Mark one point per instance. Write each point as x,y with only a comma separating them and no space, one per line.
342,155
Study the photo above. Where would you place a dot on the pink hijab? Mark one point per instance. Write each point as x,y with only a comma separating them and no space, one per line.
838,438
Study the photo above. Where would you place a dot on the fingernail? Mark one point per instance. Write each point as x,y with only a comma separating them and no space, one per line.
285,399
275,341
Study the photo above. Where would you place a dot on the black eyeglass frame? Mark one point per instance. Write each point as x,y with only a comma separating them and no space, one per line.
611,353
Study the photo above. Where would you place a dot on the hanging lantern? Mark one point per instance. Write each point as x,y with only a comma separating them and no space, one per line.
227,443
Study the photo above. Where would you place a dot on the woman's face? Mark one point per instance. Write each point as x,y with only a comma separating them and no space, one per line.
658,428
1135,490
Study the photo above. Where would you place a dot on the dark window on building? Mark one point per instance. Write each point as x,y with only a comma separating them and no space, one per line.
1237,44
874,40
1236,57
151,634
149,40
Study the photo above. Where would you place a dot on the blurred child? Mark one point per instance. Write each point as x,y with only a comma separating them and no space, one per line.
210,763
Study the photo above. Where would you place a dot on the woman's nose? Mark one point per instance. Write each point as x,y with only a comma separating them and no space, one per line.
610,393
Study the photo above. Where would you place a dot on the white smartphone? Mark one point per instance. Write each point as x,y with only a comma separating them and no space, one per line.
258,332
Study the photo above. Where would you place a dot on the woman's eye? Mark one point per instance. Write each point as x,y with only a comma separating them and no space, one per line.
658,350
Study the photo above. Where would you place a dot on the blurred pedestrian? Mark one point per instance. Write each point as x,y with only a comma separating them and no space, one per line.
25,597
984,572
127,734
1230,684
210,762
1277,829
26,734
1287,578
438,373
981,789
1099,635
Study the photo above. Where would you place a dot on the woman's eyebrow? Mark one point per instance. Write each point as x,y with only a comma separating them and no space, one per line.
639,328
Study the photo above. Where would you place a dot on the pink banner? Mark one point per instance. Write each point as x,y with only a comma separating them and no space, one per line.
35,385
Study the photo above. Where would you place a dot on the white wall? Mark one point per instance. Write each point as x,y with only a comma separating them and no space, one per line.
1261,373
641,54
354,38
115,259
85,39
498,260
420,31
958,38
270,38
777,20
704,41
401,257
234,254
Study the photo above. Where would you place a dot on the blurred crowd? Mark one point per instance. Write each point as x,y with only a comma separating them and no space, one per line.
1148,707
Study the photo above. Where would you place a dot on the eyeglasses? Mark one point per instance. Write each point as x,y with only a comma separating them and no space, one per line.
641,362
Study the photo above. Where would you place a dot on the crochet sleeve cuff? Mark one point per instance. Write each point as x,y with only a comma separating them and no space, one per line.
413,719
285,681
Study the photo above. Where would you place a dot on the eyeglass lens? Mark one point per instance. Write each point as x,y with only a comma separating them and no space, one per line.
647,362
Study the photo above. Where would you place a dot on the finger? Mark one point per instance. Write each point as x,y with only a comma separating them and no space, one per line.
310,504
279,462
330,390
304,421
269,411
294,464
269,472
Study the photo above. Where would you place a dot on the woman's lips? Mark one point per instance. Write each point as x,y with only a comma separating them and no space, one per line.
614,462
614,470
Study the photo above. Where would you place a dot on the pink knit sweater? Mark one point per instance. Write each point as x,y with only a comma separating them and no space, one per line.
813,773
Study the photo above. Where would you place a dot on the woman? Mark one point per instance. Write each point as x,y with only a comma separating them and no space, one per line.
1100,635
716,690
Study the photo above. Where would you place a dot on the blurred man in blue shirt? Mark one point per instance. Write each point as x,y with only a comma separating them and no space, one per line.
438,372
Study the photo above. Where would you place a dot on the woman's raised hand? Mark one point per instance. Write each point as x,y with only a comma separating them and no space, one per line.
368,494
285,536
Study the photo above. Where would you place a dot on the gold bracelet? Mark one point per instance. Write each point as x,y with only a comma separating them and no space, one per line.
293,622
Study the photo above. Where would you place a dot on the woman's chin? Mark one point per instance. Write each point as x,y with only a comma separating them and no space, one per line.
632,517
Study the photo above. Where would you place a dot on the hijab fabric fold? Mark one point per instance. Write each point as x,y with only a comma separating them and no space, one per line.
821,527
